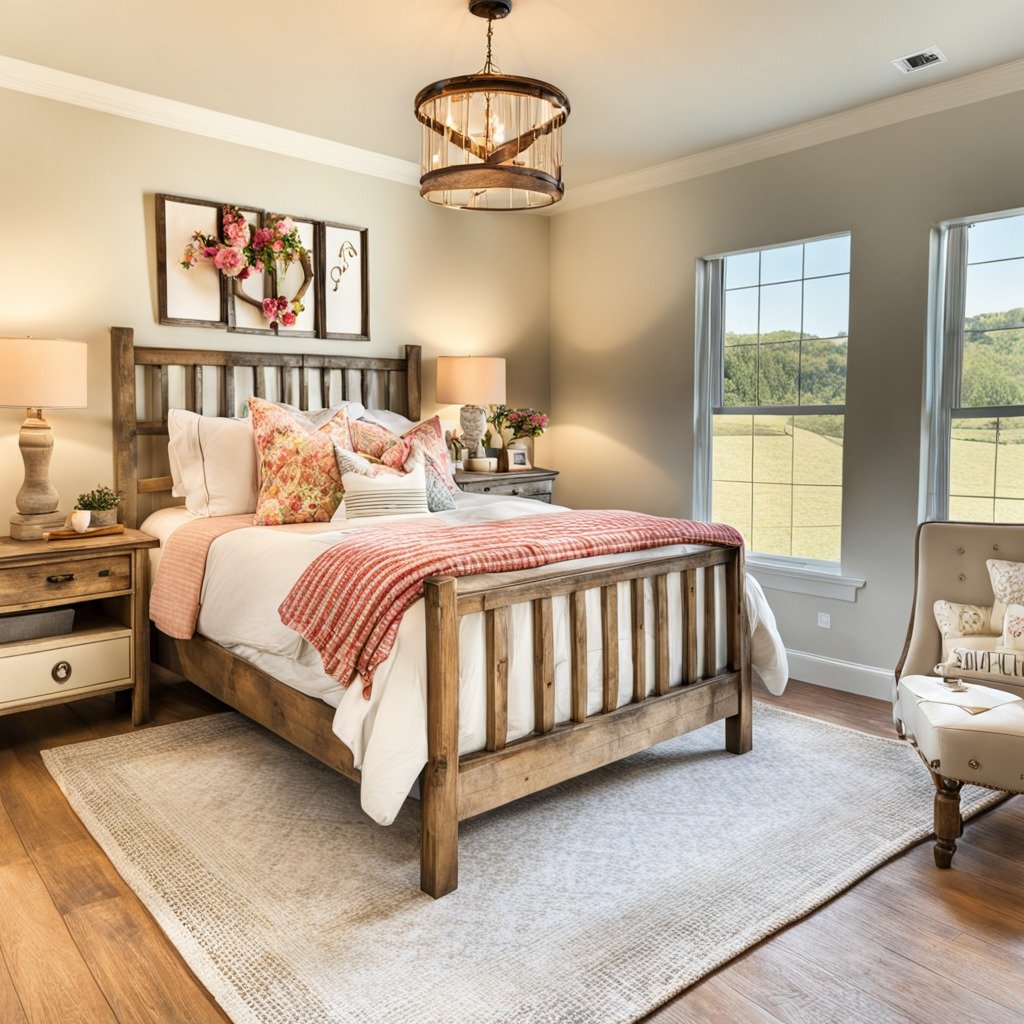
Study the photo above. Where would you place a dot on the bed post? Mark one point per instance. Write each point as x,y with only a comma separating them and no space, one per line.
126,471
413,395
739,728
439,787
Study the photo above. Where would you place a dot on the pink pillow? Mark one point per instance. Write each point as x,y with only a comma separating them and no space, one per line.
299,477
401,452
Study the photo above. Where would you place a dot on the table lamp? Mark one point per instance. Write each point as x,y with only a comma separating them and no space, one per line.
35,375
472,382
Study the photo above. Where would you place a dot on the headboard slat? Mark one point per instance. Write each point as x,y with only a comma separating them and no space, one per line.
125,357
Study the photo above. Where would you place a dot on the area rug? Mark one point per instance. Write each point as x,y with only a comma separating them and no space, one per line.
591,903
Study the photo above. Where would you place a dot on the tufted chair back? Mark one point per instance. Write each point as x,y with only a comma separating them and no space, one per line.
951,567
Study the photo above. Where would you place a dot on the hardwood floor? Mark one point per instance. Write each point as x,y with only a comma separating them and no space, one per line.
909,943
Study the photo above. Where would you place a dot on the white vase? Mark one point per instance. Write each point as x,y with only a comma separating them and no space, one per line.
80,520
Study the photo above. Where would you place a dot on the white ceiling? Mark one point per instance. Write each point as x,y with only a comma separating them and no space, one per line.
649,81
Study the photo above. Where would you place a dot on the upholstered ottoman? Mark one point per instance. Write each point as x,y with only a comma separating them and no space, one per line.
975,735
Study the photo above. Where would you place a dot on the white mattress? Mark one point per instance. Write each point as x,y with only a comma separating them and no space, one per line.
250,571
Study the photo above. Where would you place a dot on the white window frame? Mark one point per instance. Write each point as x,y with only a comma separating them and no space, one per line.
815,577
945,360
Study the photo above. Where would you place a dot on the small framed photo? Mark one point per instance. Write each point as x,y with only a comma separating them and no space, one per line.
343,282
187,297
518,458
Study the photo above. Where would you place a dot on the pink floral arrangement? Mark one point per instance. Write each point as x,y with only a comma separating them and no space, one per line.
245,251
524,422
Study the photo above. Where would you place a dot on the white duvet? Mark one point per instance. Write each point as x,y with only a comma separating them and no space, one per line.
250,571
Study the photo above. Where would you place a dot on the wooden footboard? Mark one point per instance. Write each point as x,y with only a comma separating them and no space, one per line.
455,788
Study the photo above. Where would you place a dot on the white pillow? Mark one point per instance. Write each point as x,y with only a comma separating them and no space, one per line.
955,620
318,417
386,495
1013,628
1007,588
213,463
393,421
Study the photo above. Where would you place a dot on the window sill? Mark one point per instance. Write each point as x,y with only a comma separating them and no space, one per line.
816,581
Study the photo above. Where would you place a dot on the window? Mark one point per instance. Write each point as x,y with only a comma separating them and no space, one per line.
976,373
771,393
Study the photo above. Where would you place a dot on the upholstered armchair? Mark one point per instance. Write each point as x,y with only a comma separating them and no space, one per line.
973,733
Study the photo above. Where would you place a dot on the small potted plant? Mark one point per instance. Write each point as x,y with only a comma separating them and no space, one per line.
101,504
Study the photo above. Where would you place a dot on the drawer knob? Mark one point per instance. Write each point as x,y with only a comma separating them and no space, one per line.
66,577
61,672
515,491
487,488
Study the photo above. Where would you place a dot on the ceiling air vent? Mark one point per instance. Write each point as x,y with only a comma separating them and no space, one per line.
922,59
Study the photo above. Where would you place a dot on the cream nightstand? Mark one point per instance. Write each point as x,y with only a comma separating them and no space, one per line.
519,483
105,580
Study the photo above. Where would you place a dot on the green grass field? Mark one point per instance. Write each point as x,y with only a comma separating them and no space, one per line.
780,484
986,477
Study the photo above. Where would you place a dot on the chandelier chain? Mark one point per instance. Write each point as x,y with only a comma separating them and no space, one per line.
490,68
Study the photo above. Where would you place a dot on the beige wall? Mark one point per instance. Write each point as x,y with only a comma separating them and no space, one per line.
623,334
77,256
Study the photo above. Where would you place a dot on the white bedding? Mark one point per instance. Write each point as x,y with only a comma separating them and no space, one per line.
250,571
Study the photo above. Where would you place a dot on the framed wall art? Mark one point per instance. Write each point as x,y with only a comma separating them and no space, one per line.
184,297
343,283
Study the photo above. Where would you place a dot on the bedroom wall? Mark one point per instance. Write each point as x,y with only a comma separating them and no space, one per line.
76,219
623,339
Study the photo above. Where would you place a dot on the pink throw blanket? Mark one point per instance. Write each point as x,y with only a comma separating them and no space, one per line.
174,601
349,602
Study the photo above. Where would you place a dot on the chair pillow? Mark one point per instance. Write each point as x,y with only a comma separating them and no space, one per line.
962,619
299,477
389,494
1007,587
213,463
1013,628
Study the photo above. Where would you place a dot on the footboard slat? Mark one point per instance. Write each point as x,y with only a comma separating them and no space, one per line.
710,624
610,646
580,662
638,598
689,587
661,681
497,677
543,666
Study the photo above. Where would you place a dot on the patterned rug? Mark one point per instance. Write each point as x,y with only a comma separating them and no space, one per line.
591,903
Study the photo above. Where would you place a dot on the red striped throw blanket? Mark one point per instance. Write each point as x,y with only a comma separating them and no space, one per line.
349,602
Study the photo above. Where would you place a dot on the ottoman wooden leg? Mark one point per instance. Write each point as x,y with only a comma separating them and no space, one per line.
948,823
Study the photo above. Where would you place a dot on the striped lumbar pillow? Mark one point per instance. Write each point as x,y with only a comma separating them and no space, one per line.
385,495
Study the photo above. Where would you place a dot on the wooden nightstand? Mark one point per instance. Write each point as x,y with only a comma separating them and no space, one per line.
105,580
520,483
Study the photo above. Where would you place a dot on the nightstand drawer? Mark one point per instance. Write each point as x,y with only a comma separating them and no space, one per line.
533,489
65,580
51,671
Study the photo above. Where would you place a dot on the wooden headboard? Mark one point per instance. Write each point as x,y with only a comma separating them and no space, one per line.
293,379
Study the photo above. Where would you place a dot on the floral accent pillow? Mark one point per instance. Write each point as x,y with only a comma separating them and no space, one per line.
423,442
299,477
1013,628
962,619
426,441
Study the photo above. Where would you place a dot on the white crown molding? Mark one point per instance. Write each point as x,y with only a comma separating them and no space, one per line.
50,83
22,76
931,99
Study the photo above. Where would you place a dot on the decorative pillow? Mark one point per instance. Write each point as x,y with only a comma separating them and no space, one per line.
1013,628
299,477
962,619
213,463
318,417
987,663
438,498
426,438
390,494
1007,588
370,438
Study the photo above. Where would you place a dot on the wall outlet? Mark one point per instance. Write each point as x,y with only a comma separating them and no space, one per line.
824,620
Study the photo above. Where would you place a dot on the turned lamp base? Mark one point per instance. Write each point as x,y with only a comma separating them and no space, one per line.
37,500
473,420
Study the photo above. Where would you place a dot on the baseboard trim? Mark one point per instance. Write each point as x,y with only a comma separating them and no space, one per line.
865,680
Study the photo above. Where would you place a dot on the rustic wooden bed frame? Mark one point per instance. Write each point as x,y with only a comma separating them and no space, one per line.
454,788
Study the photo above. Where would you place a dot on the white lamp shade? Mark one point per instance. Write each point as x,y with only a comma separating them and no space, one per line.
43,374
470,380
